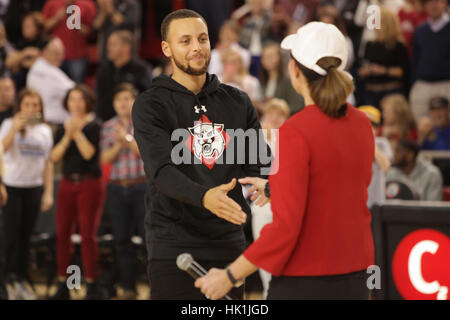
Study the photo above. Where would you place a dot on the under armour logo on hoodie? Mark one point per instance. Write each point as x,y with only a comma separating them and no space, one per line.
197,109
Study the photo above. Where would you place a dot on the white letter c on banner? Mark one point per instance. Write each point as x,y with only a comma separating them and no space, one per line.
415,267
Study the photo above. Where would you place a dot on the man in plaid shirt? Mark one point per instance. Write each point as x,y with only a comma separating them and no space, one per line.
127,184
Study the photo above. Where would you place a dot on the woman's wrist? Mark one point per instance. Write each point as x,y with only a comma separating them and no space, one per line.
233,280
267,190
66,139
78,136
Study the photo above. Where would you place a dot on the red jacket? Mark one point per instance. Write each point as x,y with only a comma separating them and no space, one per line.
321,223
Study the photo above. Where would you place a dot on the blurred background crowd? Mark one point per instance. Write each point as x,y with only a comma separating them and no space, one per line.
70,165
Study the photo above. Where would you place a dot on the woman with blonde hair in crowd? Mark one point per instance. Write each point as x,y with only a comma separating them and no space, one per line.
398,120
235,74
27,141
385,67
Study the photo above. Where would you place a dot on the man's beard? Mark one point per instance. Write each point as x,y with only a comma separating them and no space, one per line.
193,71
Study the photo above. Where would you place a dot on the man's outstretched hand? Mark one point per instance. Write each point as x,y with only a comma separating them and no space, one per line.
217,201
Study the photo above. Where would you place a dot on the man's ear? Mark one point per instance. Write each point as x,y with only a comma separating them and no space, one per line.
166,49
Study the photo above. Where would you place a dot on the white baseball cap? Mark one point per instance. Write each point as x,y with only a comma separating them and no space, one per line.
315,41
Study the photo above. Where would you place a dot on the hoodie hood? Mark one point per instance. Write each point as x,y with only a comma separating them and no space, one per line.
164,81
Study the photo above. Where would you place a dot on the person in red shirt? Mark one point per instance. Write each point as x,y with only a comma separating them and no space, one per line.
320,242
75,40
411,15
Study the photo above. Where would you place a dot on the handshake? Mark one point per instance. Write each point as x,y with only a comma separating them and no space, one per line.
219,203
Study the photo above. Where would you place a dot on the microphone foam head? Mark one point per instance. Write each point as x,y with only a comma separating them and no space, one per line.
184,261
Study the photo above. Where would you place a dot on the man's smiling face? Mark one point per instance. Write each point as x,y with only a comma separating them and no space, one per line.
188,45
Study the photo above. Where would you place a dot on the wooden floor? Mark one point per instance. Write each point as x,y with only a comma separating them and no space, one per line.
142,288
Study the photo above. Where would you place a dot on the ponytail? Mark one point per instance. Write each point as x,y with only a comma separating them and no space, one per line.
329,92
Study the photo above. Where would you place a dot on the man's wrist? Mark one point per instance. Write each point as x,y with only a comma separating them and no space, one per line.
204,198
118,144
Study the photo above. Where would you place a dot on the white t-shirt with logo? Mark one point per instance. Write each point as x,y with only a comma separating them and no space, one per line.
26,158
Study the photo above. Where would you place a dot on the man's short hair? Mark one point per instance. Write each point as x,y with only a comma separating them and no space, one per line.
438,103
125,36
176,15
410,145
125,86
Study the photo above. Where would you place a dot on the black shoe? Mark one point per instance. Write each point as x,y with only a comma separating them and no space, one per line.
62,293
95,292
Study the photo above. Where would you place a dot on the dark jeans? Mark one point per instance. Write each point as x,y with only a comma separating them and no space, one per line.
351,286
126,208
19,218
76,69
373,98
167,282
3,292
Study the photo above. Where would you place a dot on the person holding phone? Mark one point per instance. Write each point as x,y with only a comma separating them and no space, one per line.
27,141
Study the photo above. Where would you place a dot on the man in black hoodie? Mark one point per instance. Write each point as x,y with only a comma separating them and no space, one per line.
193,202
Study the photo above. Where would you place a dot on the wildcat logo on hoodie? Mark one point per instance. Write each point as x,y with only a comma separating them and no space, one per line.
207,141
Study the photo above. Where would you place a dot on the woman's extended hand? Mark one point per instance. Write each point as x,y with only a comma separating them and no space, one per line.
257,189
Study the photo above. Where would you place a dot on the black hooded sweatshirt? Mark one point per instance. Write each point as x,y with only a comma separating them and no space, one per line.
176,221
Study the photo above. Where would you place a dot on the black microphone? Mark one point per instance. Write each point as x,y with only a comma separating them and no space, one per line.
186,262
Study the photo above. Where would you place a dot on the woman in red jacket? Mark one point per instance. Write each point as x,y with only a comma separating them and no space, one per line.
320,243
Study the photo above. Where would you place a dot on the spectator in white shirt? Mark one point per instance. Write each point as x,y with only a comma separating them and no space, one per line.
27,142
51,82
